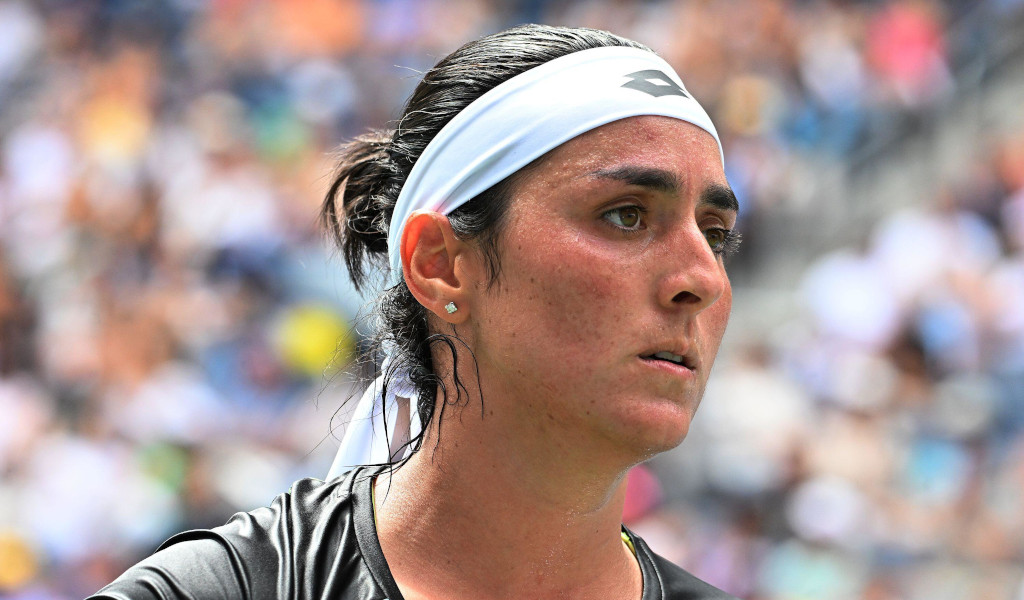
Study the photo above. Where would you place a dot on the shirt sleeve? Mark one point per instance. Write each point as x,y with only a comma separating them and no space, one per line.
197,569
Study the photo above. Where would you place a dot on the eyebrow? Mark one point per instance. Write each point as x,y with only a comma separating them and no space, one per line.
720,196
660,180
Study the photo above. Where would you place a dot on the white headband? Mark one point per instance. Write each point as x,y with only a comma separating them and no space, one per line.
499,133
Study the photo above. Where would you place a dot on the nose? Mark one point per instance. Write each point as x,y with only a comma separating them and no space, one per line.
692,277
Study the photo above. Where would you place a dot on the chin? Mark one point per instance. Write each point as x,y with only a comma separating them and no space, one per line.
669,439
658,431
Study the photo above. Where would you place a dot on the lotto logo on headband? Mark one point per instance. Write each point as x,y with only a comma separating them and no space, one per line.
655,83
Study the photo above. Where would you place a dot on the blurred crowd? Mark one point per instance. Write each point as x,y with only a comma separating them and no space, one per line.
175,331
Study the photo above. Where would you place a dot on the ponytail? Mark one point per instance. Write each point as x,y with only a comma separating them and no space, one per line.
359,225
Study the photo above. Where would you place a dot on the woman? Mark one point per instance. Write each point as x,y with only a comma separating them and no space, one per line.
553,210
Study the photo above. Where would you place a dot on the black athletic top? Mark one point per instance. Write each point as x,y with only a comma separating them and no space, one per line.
317,541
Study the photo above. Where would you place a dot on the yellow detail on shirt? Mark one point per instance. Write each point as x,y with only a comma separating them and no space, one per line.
628,542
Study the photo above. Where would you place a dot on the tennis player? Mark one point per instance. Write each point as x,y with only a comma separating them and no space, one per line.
553,213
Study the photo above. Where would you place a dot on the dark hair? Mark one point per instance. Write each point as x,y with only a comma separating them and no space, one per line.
373,167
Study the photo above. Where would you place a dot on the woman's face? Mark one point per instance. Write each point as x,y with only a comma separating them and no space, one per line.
611,269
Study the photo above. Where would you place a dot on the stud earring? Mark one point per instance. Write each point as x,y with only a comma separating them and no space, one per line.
450,307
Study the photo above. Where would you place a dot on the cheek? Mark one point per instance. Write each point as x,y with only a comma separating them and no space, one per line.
581,309
716,318
564,302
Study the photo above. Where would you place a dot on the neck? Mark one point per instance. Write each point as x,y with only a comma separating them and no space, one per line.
509,523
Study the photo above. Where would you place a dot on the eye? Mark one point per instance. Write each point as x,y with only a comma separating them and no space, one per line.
722,241
715,237
629,218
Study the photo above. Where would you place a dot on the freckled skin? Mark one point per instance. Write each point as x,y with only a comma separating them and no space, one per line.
559,338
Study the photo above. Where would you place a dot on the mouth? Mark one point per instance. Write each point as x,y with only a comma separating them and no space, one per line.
671,358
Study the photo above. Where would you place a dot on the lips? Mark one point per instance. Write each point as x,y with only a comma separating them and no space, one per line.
668,356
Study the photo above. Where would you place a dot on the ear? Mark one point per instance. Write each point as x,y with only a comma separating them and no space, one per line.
430,253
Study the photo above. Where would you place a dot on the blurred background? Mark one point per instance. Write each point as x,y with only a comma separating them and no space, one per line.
174,330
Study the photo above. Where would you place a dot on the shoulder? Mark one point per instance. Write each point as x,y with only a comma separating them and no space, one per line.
269,552
198,569
675,582
311,511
